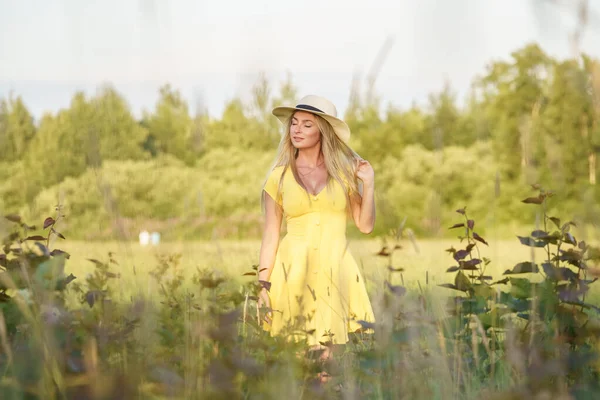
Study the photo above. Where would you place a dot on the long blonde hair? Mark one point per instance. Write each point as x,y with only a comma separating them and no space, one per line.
340,159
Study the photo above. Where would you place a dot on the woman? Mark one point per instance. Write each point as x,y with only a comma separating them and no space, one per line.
316,289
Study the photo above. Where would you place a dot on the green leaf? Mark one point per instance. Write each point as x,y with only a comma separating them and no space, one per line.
556,221
484,290
516,305
521,288
452,326
492,319
462,282
49,272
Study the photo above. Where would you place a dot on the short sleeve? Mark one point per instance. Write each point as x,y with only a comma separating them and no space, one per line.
272,185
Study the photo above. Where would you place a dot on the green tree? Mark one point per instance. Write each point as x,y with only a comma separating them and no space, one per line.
443,124
120,136
512,91
170,126
16,128
568,119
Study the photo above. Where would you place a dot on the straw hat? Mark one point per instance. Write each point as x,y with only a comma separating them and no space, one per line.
319,106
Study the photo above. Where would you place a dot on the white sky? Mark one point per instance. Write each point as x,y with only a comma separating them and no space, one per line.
214,50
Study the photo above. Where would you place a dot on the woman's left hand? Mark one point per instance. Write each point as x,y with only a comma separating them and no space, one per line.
365,173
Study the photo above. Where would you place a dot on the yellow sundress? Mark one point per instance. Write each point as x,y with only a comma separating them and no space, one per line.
316,285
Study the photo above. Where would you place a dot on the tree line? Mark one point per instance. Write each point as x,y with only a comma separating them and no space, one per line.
527,119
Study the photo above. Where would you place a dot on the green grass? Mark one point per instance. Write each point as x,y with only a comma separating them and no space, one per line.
424,261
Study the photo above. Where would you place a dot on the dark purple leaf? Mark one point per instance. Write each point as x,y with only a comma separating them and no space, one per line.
396,289
534,200
450,286
471,263
527,241
538,233
13,218
570,292
470,224
501,282
265,284
384,252
43,249
392,269
570,255
570,239
58,252
453,268
48,222
366,324
37,237
461,254
92,296
522,268
60,285
558,274
461,210
456,226
479,238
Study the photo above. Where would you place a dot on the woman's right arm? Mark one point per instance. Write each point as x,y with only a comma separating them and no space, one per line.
270,238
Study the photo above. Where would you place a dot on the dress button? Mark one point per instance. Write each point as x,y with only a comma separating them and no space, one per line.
318,223
315,198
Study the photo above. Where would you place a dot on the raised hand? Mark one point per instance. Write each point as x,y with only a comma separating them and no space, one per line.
365,172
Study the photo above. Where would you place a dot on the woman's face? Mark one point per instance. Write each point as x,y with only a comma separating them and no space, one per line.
304,132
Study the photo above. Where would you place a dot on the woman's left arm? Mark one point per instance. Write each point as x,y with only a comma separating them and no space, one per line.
363,205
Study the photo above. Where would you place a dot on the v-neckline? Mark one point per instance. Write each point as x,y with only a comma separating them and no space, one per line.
309,193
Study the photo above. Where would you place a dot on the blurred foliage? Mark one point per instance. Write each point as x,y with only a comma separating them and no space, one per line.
543,314
68,337
527,119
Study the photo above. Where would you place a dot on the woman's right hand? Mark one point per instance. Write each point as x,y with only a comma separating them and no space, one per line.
264,301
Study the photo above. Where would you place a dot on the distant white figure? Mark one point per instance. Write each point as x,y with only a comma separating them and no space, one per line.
155,238
144,238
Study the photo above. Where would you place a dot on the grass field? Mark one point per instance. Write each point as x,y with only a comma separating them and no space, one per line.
424,262
184,340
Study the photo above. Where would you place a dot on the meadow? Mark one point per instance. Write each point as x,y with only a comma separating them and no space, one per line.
424,261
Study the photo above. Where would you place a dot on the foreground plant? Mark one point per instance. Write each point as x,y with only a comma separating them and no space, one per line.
542,326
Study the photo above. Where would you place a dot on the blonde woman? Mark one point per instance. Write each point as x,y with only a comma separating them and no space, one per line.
315,283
